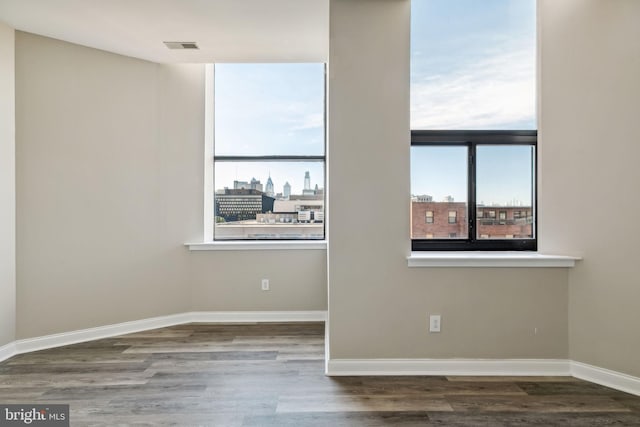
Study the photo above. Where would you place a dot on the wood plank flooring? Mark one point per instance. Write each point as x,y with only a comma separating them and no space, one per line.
272,375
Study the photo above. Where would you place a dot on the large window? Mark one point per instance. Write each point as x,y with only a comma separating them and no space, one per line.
269,151
473,124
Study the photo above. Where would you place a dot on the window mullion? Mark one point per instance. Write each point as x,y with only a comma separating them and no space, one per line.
471,207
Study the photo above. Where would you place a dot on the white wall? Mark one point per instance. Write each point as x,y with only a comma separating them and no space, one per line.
378,306
590,77
7,187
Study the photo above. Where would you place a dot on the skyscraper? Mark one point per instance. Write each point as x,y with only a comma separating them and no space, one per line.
286,191
269,187
307,181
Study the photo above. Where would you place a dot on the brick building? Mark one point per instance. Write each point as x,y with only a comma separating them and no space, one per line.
448,220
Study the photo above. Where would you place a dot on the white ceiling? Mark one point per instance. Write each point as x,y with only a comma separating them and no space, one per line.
225,30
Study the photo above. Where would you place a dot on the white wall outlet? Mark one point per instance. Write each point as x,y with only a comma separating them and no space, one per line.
434,323
265,284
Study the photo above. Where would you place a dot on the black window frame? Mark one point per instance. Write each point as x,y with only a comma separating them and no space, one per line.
472,139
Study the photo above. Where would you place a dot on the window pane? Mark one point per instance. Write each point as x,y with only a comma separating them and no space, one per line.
269,200
473,64
269,109
505,182
439,185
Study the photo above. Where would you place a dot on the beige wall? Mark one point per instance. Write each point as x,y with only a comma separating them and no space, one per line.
7,187
108,167
591,134
231,280
378,306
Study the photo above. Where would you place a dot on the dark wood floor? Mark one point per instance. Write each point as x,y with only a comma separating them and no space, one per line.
272,375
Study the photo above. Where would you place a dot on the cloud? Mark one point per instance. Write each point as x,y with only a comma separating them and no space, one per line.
495,93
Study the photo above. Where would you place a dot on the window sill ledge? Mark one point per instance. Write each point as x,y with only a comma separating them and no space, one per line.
258,245
489,259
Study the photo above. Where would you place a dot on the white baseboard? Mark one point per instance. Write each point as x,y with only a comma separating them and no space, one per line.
606,377
483,367
257,316
7,350
473,367
83,335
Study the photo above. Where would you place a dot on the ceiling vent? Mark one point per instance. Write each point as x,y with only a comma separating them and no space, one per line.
181,45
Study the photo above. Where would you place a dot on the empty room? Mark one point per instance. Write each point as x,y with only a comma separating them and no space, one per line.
319,212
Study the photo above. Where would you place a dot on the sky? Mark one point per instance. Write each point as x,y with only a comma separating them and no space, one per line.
473,67
503,173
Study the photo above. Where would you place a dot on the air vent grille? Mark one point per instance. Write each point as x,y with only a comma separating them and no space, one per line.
181,45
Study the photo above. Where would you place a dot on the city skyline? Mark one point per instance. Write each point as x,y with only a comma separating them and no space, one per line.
294,173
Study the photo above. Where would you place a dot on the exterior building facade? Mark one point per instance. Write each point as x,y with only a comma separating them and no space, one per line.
254,184
241,204
448,220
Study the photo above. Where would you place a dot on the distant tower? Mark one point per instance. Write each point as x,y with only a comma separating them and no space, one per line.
269,187
255,184
286,190
307,181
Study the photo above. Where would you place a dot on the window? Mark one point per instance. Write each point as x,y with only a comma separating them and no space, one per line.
473,122
429,217
269,151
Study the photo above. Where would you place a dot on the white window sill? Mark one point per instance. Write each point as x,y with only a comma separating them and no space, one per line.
254,245
489,259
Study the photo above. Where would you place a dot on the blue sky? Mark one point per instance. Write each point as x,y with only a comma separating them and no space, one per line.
473,64
473,67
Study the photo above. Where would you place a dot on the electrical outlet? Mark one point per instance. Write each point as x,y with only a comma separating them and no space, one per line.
265,284
434,323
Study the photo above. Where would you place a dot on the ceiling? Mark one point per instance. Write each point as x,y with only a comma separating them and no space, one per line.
225,30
